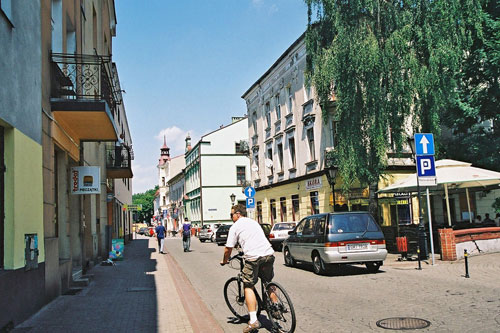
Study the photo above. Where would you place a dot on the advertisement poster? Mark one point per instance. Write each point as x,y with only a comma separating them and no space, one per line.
117,247
85,180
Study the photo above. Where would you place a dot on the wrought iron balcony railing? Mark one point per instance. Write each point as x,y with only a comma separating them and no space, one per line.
84,77
118,161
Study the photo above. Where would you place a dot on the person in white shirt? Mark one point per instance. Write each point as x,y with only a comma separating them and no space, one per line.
258,254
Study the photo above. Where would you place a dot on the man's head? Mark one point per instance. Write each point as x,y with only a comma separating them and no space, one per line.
237,211
186,219
486,216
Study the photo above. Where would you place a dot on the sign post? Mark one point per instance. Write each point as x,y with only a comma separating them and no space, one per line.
426,176
250,200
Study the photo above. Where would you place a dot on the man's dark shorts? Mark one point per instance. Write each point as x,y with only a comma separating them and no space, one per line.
262,267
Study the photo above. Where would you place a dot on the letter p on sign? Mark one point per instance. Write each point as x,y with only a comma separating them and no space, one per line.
425,166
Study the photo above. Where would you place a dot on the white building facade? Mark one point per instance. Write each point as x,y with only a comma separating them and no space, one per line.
217,167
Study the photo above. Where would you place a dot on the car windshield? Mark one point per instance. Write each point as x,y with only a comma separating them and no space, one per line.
283,226
351,223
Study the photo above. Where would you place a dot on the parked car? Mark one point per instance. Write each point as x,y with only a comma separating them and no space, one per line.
142,231
207,232
332,239
266,227
221,234
279,233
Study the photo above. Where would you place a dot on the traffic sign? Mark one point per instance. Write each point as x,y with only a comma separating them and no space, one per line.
425,166
249,192
424,143
250,203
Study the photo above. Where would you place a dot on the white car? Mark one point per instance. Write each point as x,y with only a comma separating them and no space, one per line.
279,233
207,232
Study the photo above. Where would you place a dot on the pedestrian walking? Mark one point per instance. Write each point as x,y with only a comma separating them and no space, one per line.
186,235
160,236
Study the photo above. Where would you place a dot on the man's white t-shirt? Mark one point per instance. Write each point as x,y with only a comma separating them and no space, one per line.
249,234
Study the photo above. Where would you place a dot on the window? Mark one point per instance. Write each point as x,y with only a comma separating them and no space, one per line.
269,159
237,147
314,202
273,210
256,162
267,112
283,209
280,155
295,207
307,92
164,200
291,149
254,121
259,211
240,175
278,106
162,181
289,99
310,141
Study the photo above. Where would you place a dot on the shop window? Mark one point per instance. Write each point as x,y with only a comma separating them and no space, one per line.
273,210
283,209
314,202
259,211
295,207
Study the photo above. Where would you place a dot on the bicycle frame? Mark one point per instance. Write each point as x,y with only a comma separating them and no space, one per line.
241,293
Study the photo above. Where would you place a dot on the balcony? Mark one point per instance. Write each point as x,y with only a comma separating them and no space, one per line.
83,96
118,162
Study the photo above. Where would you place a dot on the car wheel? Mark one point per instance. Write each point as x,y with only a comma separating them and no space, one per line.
289,261
212,239
202,240
372,267
318,264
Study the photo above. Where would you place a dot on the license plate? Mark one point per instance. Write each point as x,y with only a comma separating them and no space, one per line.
223,236
357,246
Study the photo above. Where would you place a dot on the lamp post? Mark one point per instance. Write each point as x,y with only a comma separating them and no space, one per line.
331,174
233,198
422,236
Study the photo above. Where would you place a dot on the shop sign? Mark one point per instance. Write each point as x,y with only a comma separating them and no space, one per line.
85,180
313,184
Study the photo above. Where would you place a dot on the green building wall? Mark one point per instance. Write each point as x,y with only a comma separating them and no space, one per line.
23,196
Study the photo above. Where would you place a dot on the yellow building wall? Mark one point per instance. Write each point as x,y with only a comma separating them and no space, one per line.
23,196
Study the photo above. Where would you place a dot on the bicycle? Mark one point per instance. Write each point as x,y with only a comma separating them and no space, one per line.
281,313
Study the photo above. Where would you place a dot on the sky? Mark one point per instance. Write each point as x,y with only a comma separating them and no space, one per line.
184,65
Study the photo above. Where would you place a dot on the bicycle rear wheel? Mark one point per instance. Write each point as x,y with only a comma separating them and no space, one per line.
234,295
281,313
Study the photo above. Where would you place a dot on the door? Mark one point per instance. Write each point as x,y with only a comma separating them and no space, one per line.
293,240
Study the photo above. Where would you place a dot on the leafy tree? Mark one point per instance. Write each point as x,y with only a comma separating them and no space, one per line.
380,66
145,199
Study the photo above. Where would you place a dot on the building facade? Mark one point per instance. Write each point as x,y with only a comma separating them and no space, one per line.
290,142
217,167
69,114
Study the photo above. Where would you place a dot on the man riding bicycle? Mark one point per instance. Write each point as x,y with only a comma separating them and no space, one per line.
258,254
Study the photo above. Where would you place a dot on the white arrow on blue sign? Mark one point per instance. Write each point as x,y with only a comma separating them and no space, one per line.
250,203
424,143
249,192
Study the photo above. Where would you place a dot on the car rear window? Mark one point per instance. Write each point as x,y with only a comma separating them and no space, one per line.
351,223
284,226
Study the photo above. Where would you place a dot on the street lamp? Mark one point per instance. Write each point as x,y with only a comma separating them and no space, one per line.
422,236
233,197
331,174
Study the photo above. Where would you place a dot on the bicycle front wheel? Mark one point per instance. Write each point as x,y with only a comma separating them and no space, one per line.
280,308
234,295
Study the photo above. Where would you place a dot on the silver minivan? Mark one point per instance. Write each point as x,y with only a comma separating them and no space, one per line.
332,239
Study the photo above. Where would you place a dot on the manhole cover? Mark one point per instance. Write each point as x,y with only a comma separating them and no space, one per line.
403,323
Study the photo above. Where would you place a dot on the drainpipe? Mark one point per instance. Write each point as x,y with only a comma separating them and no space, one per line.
82,217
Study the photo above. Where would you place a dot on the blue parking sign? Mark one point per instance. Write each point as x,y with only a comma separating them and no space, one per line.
250,203
425,166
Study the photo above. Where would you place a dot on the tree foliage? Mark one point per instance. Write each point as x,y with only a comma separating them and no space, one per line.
145,199
387,66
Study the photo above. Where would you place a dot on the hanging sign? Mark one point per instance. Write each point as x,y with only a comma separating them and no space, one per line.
85,180
313,183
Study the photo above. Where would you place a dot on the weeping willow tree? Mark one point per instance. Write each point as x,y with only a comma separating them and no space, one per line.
383,69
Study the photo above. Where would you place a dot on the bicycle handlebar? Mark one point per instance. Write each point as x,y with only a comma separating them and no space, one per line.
238,256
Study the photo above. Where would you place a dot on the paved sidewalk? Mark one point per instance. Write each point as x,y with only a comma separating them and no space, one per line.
146,292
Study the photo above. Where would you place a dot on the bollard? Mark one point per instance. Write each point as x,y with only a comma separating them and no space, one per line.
418,255
466,264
